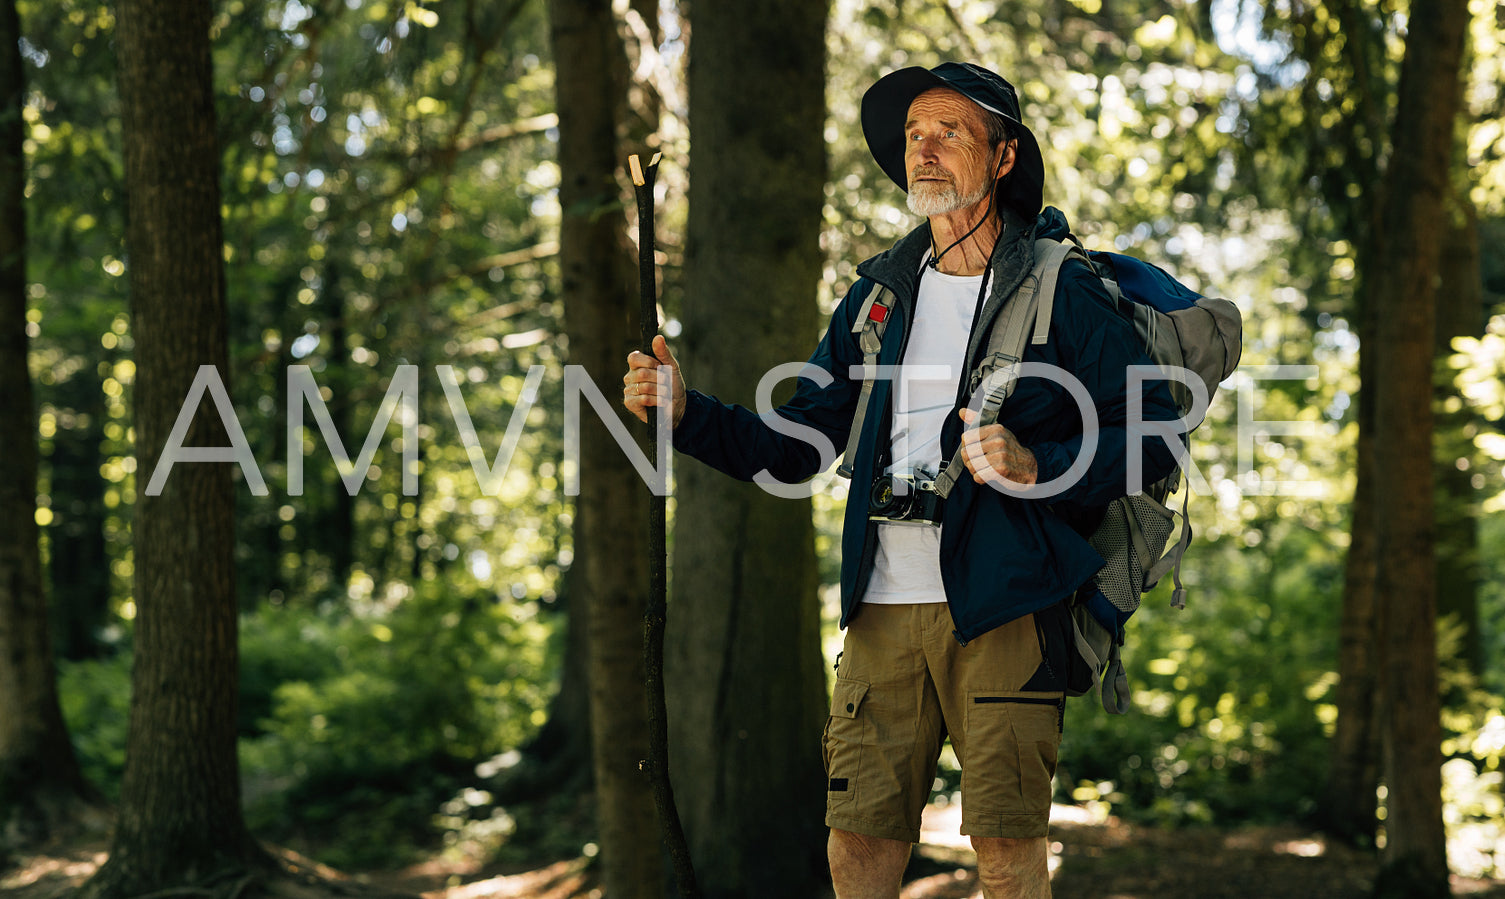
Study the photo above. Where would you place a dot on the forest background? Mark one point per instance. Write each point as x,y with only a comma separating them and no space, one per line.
425,648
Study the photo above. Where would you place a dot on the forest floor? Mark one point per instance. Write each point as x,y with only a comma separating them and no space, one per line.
1089,860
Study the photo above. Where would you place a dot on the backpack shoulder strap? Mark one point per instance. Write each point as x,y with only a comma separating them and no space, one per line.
1051,255
872,321
1026,315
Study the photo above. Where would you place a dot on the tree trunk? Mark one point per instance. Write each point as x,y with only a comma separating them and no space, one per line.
1350,805
79,563
180,805
1405,288
40,784
339,534
611,511
1461,312
746,679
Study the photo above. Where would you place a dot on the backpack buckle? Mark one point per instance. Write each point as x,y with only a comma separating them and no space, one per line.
988,366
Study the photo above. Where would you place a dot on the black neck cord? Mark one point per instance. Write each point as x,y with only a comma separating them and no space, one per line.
935,261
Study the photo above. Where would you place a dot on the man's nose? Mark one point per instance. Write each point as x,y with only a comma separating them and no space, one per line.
924,149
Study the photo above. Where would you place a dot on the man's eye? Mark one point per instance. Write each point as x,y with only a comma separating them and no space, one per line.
951,134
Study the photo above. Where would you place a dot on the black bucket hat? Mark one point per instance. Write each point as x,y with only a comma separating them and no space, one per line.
885,108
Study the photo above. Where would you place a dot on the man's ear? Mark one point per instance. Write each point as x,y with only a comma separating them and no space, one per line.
1006,157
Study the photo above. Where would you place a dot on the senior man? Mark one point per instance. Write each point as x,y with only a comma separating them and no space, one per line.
954,609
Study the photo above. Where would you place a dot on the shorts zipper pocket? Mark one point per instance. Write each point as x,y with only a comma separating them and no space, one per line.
1059,703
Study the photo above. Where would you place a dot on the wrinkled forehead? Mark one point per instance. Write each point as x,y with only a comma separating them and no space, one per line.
945,104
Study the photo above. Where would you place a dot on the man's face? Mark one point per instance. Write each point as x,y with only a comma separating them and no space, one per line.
947,154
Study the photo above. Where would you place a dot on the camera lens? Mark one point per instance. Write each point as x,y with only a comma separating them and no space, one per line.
884,502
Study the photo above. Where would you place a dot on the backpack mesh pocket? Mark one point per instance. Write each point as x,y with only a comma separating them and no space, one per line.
1131,538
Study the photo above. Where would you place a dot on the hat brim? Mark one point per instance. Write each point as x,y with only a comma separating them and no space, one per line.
885,109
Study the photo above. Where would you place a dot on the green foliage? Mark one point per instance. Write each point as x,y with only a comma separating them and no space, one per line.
1231,706
96,700
1471,780
380,717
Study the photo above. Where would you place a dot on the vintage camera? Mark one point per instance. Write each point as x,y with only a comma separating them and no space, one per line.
903,498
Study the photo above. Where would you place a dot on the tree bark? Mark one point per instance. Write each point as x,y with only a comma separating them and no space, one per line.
1461,312
745,676
180,806
611,511
1351,804
40,784
1405,277
79,563
338,532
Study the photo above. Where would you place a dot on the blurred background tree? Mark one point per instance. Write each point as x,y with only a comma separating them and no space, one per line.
611,511
41,787
743,670
180,816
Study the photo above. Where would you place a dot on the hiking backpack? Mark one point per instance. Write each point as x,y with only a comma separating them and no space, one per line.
1180,329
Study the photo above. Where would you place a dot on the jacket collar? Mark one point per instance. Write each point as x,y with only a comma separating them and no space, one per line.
898,267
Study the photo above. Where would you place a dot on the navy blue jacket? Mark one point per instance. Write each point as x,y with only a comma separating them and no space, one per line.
1002,557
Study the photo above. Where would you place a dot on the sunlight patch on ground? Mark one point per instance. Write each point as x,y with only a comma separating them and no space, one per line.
561,879
33,870
1303,848
940,825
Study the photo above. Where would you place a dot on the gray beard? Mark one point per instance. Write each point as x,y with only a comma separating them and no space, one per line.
929,198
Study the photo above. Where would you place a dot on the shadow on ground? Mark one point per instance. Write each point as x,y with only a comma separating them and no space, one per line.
1089,860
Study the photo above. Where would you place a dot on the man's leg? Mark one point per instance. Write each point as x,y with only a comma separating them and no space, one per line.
864,867
1003,708
1012,869
881,744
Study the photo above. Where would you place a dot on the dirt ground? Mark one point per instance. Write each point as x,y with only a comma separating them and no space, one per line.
1089,860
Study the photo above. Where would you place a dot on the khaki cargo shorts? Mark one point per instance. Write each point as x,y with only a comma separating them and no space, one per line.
903,684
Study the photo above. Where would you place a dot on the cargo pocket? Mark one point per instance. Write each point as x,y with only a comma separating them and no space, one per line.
1012,741
842,744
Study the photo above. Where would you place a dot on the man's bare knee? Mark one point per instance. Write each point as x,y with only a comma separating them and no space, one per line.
864,867
1012,868
869,848
1008,848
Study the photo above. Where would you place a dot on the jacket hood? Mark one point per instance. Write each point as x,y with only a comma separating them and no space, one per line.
1052,225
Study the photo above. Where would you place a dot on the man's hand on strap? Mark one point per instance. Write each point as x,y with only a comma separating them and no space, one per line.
995,456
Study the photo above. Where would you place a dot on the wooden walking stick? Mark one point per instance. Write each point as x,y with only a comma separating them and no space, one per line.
657,763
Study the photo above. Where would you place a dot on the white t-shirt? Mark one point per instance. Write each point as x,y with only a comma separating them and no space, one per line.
907,568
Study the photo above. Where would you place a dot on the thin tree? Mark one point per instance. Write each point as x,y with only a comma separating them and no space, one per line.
1404,278
611,511
78,558
40,784
1350,801
744,671
180,804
